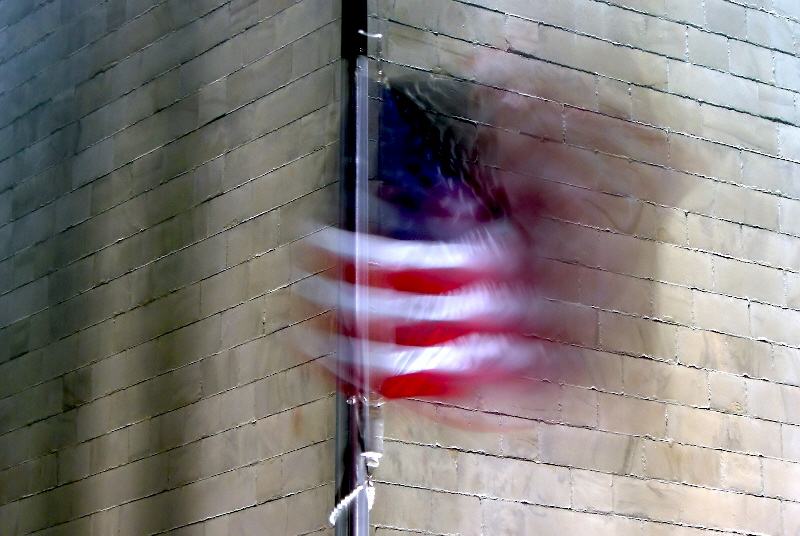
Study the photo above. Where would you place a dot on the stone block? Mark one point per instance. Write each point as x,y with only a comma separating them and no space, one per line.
647,499
741,472
646,32
592,491
455,512
773,401
781,478
549,11
727,393
721,313
704,158
586,449
775,324
466,429
294,472
668,382
637,336
398,502
618,137
770,248
714,235
725,18
751,61
745,280
631,416
683,463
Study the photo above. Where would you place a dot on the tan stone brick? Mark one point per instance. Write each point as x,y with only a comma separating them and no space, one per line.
741,472
682,266
708,49
434,467
721,313
695,426
647,499
579,407
514,480
770,248
584,367
774,324
725,18
714,235
685,191
409,46
781,479
663,529
455,512
728,393
652,379
713,86
739,130
770,31
535,77
665,110
410,12
773,401
587,449
705,158
592,491
786,364
774,102
785,71
549,11
789,140
406,421
290,389
294,472
396,501
751,61
672,303
738,279
526,399
790,216
613,98
791,518
637,336
747,206
790,437
613,136
519,438
590,18
753,436
682,463
615,292
470,23
768,173
631,415
304,425
712,508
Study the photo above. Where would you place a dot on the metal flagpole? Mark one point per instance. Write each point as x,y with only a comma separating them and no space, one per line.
352,404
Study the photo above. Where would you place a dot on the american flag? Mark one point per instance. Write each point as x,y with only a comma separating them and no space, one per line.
434,294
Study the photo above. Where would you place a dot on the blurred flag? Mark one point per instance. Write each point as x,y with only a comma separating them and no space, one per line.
433,295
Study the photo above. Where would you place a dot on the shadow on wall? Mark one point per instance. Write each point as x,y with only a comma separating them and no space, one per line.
125,436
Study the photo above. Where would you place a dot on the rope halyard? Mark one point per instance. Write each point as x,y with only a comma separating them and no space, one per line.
367,486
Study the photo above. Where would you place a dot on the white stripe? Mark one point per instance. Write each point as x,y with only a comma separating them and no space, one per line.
464,355
491,248
498,304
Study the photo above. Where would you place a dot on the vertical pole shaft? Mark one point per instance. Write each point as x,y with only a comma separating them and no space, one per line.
352,411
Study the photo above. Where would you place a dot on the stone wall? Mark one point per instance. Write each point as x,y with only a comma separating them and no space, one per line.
159,164
670,404
156,157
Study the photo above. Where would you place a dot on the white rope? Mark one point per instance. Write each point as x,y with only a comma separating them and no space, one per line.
350,497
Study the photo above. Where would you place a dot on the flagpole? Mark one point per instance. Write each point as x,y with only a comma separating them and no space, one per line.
352,405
